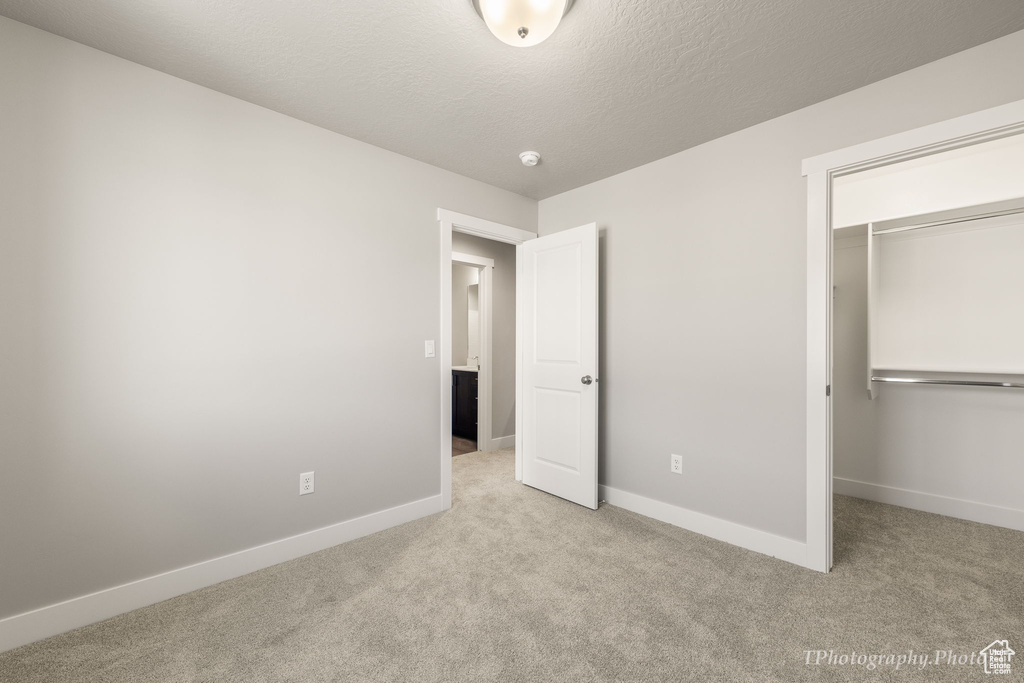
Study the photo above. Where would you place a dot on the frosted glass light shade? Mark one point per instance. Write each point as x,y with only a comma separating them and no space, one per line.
522,23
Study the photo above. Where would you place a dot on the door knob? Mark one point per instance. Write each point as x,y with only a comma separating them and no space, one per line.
587,379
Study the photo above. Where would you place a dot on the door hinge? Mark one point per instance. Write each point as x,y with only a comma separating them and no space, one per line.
828,390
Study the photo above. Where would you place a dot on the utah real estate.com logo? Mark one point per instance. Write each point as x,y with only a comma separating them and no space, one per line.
996,657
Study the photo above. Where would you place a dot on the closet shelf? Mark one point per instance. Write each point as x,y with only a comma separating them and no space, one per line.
962,214
1010,208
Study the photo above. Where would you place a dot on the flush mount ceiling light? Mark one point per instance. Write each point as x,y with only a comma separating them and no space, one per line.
522,23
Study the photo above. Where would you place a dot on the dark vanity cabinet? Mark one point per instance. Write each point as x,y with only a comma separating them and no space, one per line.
464,385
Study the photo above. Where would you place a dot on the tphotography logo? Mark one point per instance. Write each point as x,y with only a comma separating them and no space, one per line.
996,658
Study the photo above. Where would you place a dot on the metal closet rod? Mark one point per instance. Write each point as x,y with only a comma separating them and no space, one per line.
951,221
953,382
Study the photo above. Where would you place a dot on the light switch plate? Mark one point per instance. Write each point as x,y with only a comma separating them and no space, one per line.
428,348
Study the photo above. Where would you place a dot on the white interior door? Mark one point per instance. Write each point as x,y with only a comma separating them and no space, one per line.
557,307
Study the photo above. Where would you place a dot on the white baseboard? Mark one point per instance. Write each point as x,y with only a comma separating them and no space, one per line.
44,622
1011,518
746,537
503,442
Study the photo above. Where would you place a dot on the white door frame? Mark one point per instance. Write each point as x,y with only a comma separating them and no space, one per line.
963,131
485,370
450,222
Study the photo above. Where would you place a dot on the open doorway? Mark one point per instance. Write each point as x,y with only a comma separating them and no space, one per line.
488,249
474,384
920,147
555,361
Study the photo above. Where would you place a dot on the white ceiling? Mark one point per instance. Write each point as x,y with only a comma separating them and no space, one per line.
621,83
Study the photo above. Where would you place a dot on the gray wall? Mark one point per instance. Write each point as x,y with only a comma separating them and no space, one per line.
503,401
704,278
945,441
199,299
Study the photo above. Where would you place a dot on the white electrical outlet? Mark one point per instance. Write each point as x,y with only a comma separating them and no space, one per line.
677,464
305,483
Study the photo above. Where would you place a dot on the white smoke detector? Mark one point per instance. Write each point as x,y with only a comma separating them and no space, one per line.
529,158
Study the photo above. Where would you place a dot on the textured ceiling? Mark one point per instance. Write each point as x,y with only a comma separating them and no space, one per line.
621,83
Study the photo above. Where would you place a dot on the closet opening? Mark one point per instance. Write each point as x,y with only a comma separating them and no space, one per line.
940,207
928,337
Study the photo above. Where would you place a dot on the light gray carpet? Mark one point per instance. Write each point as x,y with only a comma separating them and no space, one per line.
516,585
